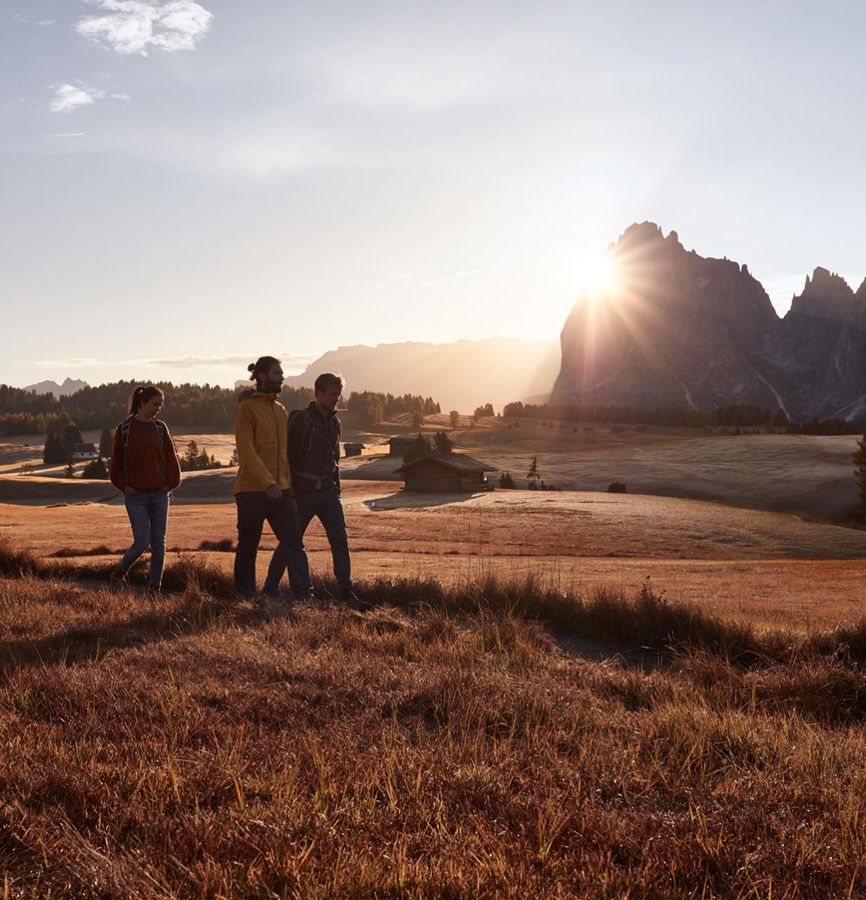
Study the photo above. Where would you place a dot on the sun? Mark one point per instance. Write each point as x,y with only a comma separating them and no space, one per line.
596,272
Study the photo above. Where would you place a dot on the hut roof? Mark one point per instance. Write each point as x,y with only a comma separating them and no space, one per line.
459,462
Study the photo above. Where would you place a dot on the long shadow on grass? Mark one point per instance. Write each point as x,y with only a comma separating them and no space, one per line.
208,596
91,642
645,624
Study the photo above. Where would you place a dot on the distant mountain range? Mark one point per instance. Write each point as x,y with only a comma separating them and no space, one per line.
69,386
682,330
460,375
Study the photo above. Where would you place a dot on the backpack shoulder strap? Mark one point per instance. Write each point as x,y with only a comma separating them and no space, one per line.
124,430
124,439
306,438
163,432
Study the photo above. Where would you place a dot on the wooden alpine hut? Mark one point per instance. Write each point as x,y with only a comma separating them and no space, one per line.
446,473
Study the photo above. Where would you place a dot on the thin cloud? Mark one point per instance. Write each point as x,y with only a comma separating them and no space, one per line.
66,134
228,361
41,23
443,278
69,97
139,26
71,363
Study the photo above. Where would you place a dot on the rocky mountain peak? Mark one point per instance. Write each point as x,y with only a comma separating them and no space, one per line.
639,235
825,295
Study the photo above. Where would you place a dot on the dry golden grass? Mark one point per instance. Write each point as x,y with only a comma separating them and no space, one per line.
441,746
775,569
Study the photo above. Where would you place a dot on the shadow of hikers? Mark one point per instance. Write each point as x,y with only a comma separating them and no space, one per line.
91,642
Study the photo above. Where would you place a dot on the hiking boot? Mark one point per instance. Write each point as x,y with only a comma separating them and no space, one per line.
353,601
272,590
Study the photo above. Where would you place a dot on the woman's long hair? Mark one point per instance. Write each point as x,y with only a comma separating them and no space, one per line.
142,395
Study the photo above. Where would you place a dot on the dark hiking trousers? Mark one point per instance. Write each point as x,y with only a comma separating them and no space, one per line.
254,509
327,506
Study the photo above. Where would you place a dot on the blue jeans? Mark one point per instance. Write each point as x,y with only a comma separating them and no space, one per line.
148,515
326,505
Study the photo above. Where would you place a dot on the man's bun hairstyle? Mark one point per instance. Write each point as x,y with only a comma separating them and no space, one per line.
261,366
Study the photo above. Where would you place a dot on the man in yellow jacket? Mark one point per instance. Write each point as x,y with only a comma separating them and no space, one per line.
263,490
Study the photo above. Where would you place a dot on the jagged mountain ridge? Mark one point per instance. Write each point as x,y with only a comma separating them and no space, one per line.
69,386
459,375
684,330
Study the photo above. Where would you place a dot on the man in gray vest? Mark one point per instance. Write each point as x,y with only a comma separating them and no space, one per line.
314,457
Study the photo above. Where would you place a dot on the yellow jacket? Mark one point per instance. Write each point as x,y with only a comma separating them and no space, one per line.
261,436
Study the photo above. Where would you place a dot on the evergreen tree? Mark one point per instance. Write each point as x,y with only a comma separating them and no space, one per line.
233,460
95,469
106,443
420,449
70,468
190,457
506,481
859,460
69,436
53,451
453,418
442,443
417,419
533,476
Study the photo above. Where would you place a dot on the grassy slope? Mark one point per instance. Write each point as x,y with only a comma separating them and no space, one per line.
440,746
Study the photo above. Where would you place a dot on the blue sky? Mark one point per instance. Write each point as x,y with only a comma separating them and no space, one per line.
186,185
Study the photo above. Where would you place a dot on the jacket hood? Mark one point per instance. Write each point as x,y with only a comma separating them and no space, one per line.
253,394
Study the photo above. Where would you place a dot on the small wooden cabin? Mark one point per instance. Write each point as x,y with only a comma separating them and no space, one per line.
84,450
446,473
353,448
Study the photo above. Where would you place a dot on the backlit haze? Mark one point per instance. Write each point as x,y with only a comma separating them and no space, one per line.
187,185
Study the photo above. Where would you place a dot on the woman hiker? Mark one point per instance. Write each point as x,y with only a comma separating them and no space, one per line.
145,467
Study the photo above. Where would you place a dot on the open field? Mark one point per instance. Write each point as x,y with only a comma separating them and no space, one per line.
579,694
773,567
447,744
808,476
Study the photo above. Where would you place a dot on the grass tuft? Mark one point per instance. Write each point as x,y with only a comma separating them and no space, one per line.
16,563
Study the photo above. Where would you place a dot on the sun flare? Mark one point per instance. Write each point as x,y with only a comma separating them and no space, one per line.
597,272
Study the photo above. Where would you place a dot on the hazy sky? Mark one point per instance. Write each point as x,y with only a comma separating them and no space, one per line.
186,185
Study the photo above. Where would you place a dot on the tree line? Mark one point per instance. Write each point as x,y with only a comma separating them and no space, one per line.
733,416
191,406
373,407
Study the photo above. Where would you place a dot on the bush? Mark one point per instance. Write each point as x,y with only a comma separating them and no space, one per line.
616,487
95,469
224,545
